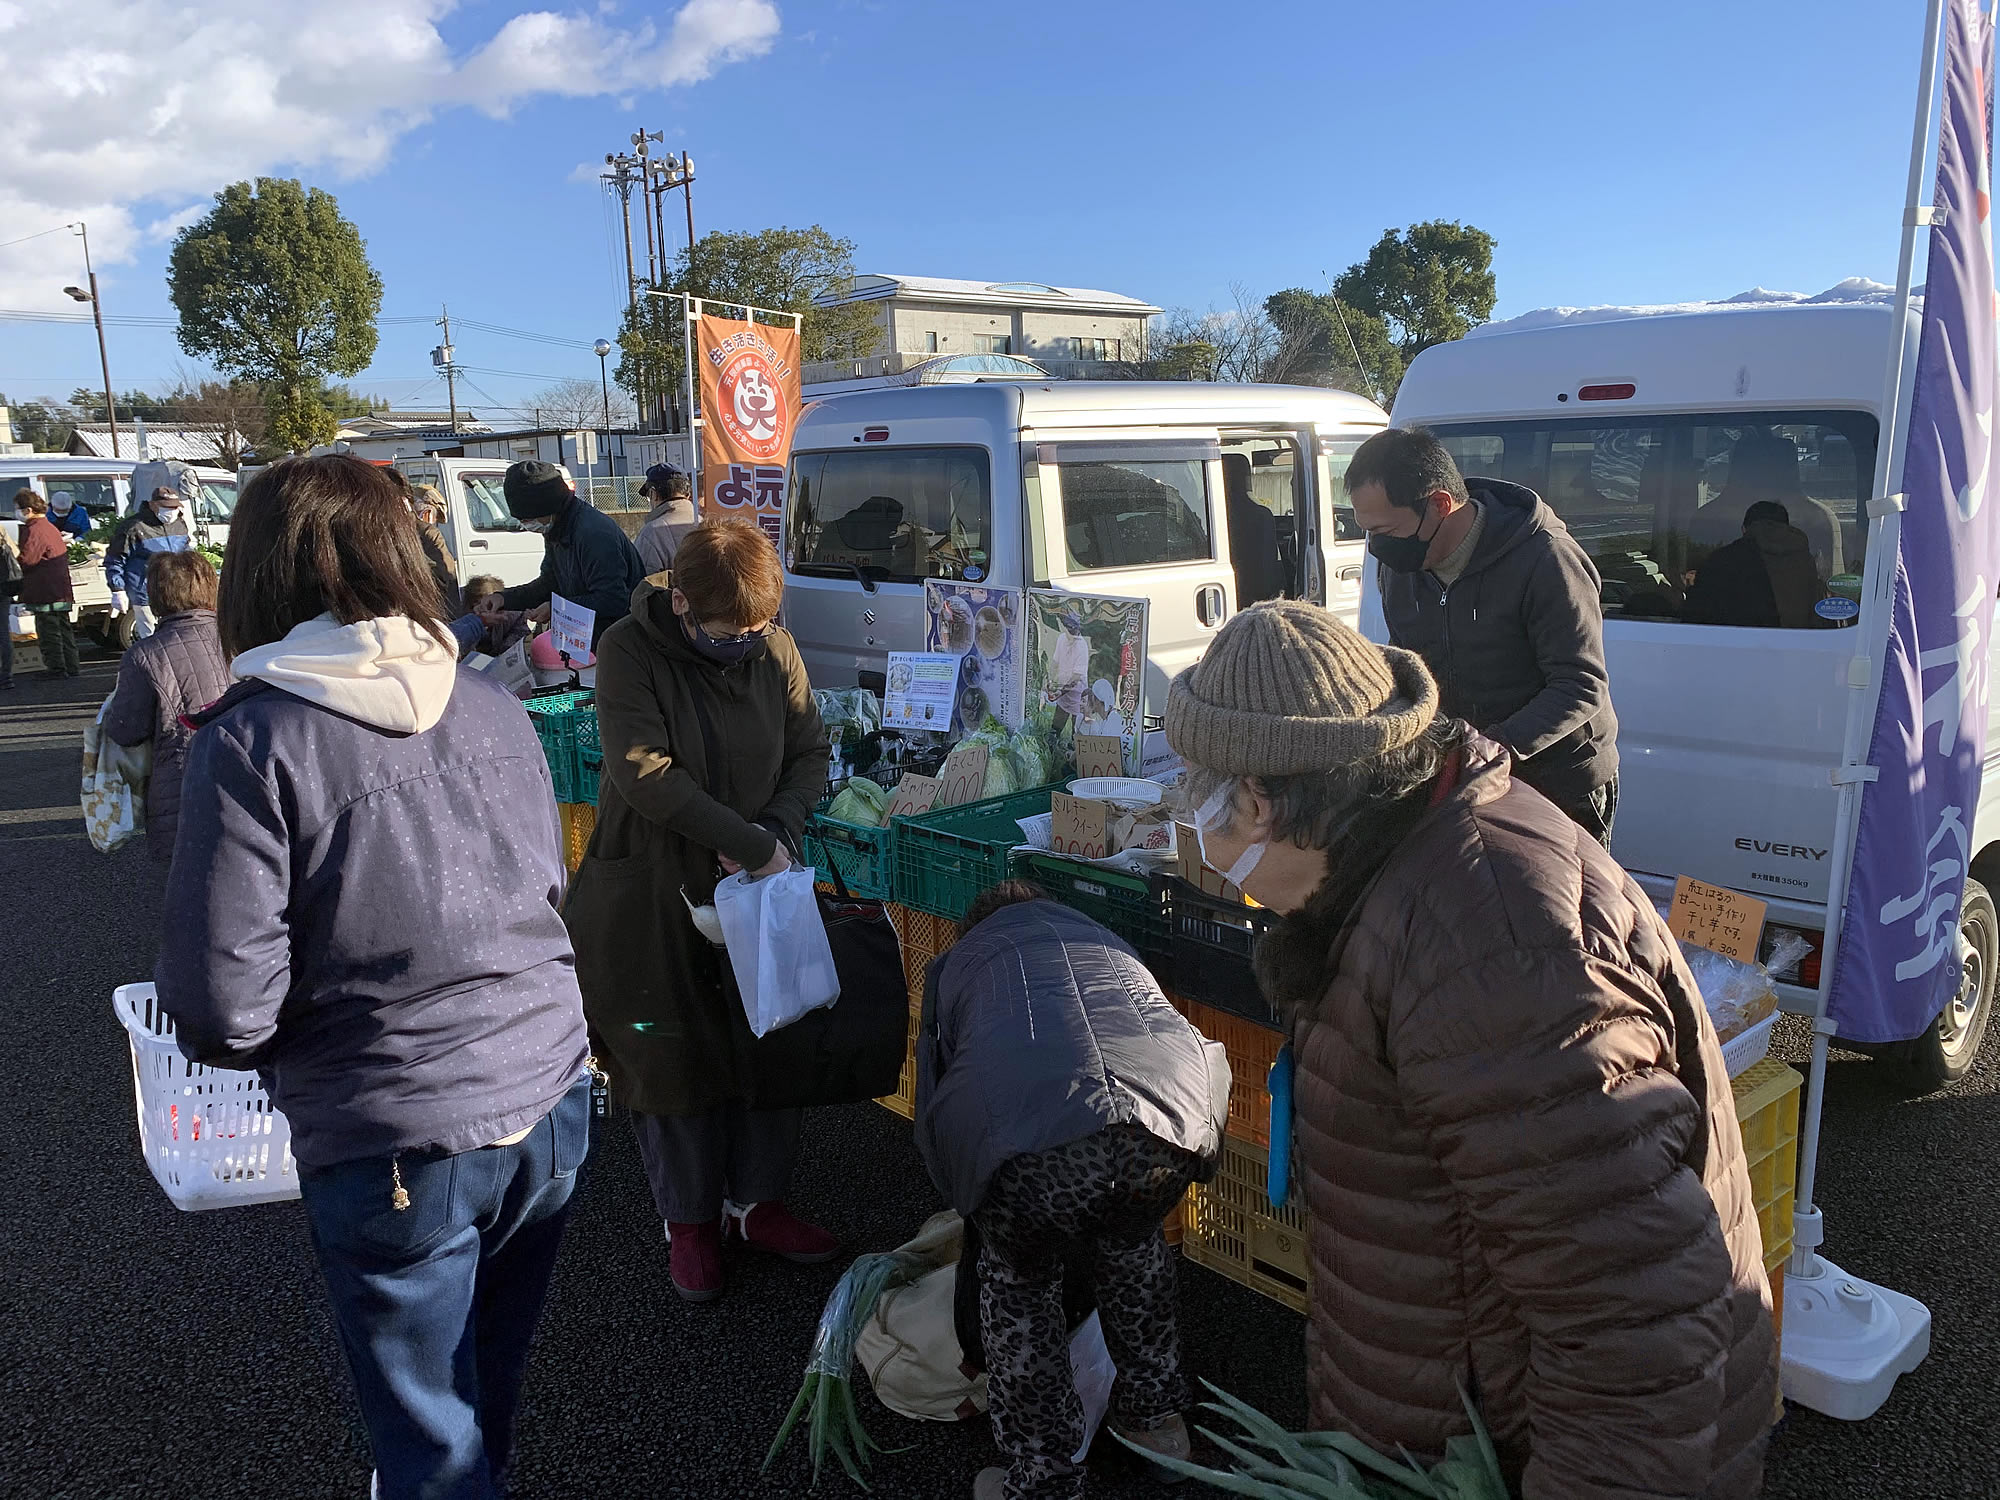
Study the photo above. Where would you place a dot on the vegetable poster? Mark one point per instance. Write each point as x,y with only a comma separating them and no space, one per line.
1087,665
982,627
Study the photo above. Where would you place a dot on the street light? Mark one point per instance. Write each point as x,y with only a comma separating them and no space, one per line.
602,348
97,314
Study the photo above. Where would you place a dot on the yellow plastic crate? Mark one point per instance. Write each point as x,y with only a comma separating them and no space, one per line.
1229,1226
1251,1049
579,821
923,936
1767,1111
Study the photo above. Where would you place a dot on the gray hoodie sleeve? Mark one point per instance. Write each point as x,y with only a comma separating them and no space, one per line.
225,961
1564,614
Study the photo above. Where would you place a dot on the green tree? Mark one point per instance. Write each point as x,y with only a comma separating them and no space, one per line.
783,270
43,425
273,285
1428,284
1323,341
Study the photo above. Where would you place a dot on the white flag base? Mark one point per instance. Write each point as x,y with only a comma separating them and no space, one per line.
1846,1340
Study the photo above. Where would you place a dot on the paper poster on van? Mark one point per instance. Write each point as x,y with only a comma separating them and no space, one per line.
1086,666
982,626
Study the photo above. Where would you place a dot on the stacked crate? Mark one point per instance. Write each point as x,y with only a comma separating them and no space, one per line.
1229,1223
924,935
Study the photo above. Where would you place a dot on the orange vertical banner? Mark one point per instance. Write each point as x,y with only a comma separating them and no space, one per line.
749,405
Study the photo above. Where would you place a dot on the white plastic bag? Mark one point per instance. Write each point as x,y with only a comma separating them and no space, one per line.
1091,1368
777,946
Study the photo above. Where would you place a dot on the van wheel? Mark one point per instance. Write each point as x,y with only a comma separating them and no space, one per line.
1945,1054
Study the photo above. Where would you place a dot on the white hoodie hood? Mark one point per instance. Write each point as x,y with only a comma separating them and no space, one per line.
391,672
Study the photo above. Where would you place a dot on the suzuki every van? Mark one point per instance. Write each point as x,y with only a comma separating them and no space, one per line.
1651,435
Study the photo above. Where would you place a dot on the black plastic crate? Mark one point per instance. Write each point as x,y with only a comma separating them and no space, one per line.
1210,941
1130,905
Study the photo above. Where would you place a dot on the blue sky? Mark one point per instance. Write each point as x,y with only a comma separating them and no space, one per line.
1168,150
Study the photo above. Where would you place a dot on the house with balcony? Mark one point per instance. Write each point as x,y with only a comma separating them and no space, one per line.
944,326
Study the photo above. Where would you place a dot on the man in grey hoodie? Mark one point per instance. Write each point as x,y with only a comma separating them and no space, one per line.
1483,580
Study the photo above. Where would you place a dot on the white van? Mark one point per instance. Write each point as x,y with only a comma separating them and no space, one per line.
1649,435
1098,487
482,534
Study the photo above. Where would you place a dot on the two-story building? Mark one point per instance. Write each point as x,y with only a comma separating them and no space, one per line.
1066,330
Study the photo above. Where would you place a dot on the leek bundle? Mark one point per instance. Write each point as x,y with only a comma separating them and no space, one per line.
1273,1464
834,1426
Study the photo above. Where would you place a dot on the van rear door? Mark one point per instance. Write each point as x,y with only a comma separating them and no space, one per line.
1729,544
1140,515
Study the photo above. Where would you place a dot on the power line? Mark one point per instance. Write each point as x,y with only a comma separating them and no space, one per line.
38,234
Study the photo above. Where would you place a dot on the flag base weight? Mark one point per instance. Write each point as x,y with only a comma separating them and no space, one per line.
1846,1340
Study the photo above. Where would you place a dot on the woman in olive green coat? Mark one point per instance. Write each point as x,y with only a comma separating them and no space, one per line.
714,756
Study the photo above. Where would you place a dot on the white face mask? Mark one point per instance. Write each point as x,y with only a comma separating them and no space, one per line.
1212,813
168,514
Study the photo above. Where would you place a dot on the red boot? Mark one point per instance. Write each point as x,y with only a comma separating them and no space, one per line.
695,1260
773,1227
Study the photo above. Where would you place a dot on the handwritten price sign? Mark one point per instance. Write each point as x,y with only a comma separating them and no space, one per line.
1721,920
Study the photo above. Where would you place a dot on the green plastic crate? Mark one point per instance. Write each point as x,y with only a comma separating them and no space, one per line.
559,719
1130,905
860,851
944,859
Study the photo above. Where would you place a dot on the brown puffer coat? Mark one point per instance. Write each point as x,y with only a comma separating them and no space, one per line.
1521,1154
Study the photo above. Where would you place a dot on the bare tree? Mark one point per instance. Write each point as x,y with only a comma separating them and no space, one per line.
1235,344
572,404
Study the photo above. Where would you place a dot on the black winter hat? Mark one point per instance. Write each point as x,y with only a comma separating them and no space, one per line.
668,482
535,489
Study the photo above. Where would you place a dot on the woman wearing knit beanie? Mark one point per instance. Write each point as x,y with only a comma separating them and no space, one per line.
1514,1127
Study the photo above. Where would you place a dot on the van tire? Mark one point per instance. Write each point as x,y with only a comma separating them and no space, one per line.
1945,1054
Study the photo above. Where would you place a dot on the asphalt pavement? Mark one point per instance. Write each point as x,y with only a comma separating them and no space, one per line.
147,1352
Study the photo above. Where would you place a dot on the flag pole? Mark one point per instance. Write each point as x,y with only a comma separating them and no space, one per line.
1842,1334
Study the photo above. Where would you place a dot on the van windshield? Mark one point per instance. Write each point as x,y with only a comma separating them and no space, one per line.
900,514
1754,519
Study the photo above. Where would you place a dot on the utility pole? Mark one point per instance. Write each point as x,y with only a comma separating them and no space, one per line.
97,314
441,359
624,172
656,250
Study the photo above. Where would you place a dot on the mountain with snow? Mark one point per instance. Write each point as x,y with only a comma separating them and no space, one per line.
1854,291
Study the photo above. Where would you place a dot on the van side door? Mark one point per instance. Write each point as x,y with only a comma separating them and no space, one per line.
1140,515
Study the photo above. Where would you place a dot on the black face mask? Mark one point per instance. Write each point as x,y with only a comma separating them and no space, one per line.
1402,554
728,652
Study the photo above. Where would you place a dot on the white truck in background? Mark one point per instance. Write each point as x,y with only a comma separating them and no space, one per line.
103,487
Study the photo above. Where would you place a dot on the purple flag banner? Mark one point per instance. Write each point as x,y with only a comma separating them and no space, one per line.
1898,959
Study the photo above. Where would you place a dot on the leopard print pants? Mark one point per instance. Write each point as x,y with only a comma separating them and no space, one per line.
1108,1191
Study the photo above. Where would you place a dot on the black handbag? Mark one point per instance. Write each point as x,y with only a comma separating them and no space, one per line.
854,1049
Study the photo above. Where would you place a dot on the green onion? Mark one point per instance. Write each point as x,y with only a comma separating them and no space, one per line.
1273,1464
826,1396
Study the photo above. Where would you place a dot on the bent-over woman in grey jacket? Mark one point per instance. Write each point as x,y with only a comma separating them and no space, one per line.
1063,1106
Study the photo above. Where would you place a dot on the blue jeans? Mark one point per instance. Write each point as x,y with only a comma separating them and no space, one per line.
436,1303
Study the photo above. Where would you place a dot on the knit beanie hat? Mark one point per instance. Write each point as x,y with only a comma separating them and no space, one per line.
535,489
1286,689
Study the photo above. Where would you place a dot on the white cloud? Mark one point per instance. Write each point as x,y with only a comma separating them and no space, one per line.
141,105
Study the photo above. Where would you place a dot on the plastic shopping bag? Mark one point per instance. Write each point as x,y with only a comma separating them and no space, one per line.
114,805
777,946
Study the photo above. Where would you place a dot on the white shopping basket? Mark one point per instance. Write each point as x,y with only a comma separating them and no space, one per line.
211,1136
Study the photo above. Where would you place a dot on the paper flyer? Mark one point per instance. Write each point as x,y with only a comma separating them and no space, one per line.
1087,665
922,689
983,628
571,624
